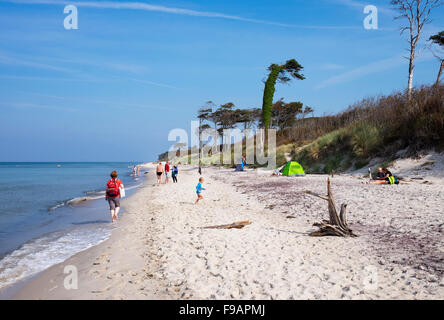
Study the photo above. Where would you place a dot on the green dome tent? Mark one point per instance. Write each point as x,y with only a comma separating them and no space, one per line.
292,169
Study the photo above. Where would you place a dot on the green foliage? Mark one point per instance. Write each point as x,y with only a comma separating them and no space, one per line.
333,163
336,150
361,163
373,127
280,159
282,73
267,105
365,139
347,163
329,139
284,114
438,38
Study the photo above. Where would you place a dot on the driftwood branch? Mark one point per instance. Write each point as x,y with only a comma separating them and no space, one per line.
234,225
337,223
315,194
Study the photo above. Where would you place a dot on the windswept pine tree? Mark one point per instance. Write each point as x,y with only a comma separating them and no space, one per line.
204,114
283,74
438,39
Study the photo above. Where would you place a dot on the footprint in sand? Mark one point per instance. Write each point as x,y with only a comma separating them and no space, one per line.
102,290
102,259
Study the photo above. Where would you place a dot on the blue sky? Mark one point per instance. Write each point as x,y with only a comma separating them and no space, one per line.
113,89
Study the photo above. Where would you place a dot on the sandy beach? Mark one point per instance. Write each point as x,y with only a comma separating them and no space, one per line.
160,250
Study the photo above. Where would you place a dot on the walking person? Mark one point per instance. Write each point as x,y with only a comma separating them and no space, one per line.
113,187
167,171
174,173
159,172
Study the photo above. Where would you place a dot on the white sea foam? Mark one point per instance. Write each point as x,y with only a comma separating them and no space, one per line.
96,195
41,253
46,251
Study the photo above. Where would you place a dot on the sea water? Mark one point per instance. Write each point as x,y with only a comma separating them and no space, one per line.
51,211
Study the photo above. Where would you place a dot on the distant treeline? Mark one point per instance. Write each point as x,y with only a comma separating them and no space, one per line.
227,116
378,126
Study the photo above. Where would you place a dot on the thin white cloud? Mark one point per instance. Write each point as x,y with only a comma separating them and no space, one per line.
361,5
35,106
157,84
131,68
371,68
32,78
359,72
114,104
8,60
156,8
86,79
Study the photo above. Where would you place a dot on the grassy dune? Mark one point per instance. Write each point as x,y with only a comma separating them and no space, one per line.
376,127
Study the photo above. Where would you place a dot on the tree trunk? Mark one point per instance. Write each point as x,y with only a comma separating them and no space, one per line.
200,146
337,223
267,103
411,66
438,79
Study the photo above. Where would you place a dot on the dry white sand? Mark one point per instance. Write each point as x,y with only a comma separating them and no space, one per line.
160,250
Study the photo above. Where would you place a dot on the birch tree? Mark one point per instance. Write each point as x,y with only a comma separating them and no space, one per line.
417,14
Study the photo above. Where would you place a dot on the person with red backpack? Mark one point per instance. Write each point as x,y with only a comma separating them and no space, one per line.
113,187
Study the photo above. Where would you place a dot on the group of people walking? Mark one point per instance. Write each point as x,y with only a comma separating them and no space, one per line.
161,170
115,187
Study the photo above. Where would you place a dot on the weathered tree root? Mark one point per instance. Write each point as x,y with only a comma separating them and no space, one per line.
337,225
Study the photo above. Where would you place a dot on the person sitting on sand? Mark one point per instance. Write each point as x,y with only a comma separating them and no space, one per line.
159,172
387,173
380,175
199,189
387,178
113,187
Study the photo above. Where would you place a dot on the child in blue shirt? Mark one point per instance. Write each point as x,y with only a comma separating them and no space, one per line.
199,189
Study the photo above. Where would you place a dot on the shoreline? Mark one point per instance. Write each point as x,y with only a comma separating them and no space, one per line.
160,251
49,284
92,205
